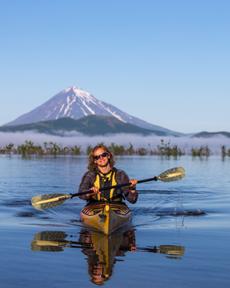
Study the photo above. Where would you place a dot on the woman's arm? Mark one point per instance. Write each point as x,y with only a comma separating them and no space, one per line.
86,184
130,193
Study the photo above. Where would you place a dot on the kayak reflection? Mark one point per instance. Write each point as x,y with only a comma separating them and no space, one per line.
102,255
102,251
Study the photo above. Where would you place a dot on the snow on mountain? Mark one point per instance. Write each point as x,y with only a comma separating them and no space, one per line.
76,103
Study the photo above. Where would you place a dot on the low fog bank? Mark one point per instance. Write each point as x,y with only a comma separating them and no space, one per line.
149,142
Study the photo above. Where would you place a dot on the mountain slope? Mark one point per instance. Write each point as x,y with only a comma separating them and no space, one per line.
76,103
89,125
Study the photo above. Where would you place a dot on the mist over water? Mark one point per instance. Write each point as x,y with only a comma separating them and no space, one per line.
185,142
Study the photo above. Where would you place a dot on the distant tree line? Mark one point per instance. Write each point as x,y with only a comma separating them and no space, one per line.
51,148
48,148
202,151
225,151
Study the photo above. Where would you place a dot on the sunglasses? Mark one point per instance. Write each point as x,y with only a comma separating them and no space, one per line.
102,155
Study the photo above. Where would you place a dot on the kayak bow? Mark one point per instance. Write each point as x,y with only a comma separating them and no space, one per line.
106,217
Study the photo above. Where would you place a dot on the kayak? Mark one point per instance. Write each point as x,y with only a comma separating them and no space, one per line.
106,217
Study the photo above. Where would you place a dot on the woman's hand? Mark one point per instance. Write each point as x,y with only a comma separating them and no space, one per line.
94,190
133,182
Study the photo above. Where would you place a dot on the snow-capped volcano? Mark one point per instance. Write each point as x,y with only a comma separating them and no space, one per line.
76,103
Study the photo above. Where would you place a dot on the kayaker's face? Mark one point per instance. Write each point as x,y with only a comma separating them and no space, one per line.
101,157
97,274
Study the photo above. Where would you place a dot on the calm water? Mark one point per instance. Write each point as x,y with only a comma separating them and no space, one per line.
180,234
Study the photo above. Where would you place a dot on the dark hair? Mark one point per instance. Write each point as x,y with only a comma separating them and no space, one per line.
91,162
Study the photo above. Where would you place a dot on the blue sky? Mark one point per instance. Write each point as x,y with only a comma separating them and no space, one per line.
167,62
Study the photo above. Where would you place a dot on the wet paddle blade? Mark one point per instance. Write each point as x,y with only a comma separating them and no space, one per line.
46,201
50,246
50,236
172,250
54,241
172,174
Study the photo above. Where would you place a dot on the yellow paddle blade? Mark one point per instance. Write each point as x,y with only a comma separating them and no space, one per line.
50,236
172,174
53,241
172,250
45,201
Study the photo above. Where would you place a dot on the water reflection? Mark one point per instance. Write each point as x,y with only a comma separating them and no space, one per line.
102,255
102,251
53,241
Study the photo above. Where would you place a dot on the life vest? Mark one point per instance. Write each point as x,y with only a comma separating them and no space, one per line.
106,180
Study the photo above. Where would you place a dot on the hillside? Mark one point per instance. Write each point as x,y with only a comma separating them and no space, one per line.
89,125
205,134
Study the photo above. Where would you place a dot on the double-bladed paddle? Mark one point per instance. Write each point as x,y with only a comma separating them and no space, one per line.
55,241
45,201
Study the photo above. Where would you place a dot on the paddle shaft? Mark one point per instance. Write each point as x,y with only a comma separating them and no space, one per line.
155,178
50,200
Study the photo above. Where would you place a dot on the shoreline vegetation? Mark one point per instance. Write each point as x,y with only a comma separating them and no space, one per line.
28,148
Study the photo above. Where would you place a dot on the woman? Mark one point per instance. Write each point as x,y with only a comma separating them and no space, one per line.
102,173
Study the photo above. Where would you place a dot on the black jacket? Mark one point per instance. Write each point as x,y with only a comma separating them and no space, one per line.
121,177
